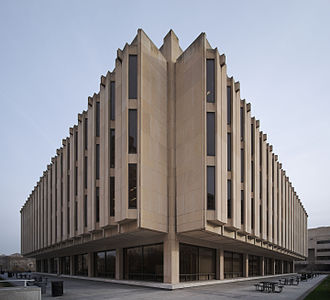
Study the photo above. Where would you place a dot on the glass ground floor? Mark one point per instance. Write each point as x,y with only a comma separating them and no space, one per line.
146,263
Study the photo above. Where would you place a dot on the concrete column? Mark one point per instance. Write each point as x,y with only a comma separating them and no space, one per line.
262,266
273,266
119,263
59,266
221,264
90,264
245,265
171,260
72,265
292,267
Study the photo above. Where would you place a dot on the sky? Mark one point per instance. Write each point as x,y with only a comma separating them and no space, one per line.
53,53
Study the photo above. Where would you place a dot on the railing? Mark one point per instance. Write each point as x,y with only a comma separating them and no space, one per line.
18,280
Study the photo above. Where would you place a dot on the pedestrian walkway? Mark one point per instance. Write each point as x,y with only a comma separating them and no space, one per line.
87,289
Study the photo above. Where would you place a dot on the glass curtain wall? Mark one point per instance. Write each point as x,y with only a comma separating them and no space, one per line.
65,264
144,263
254,265
233,264
196,263
105,264
268,266
81,265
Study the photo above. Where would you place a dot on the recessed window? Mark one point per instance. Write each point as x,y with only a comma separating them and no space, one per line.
112,148
97,161
211,133
97,204
132,77
112,196
76,145
210,80
229,198
242,165
97,125
85,211
85,172
132,185
76,215
252,213
228,105
132,131
242,123
112,100
86,133
210,187
242,207
228,151
252,139
76,181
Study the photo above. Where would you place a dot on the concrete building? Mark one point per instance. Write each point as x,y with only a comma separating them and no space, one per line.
318,259
166,177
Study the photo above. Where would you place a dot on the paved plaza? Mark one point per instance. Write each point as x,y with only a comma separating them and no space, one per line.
87,289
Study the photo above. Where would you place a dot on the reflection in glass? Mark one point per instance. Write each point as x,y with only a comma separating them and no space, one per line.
105,263
112,100
80,265
132,194
132,77
210,80
210,187
132,131
210,134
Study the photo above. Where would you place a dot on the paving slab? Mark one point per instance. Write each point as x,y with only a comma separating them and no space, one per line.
86,289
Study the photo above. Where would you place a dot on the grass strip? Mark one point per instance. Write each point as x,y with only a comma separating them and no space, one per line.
322,292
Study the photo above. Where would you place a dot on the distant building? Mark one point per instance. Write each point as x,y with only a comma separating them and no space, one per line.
166,177
16,262
318,259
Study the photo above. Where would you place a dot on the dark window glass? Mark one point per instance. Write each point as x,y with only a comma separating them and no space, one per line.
97,162
75,215
112,196
196,263
242,207
144,263
85,172
85,211
105,264
112,100
61,223
252,213
68,220
252,176
81,265
260,184
233,264
132,131
254,265
76,145
210,187
97,125
242,165
260,149
68,156
211,133
67,188
112,148
65,262
252,139
132,185
323,242
210,80
97,204
229,151
229,198
260,218
132,77
242,123
323,250
86,133
76,181
228,105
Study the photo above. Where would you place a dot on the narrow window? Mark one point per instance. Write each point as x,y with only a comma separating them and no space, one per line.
260,150
228,151
112,100
132,131
68,188
210,187
252,213
132,77
252,139
242,123
112,148
242,207
229,199
76,215
76,181
68,220
132,185
76,145
97,125
260,218
228,105
242,165
97,204
85,172
211,133
260,185
85,211
68,156
112,196
97,161
252,176
210,80
86,133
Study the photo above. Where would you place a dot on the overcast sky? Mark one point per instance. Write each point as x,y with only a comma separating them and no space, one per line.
52,54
